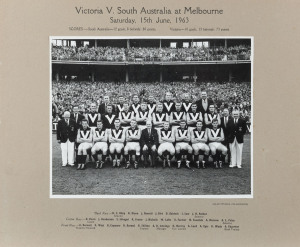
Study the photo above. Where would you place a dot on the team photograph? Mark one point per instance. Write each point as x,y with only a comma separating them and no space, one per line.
151,116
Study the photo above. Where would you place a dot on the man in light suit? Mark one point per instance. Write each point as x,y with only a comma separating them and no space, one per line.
236,130
224,124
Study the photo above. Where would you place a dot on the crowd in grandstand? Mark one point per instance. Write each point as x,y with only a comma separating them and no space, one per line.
133,54
228,94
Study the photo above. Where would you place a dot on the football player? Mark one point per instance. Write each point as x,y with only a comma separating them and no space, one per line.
182,144
168,104
193,116
166,139
151,104
85,139
120,106
93,116
143,115
215,138
108,118
116,139
211,115
100,144
135,104
133,135
159,117
177,116
186,104
126,116
198,140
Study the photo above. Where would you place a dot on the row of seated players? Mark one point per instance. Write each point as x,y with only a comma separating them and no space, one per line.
166,142
144,113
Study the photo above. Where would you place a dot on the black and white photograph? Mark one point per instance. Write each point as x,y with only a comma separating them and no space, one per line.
157,117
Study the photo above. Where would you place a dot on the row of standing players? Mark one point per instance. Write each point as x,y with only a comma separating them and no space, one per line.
190,132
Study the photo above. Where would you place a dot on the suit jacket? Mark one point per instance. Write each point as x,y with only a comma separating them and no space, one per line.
237,130
225,128
102,108
79,119
201,108
65,132
149,140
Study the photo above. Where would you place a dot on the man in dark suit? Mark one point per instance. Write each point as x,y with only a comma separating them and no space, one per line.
224,124
149,143
236,130
66,135
204,103
76,116
102,107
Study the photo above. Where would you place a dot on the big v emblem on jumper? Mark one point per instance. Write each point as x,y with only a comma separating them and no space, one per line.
194,116
110,119
168,106
166,135
135,108
143,114
151,109
126,115
215,133
120,108
182,133
178,116
84,135
187,106
92,118
133,133
160,118
201,134
115,134
211,117
100,135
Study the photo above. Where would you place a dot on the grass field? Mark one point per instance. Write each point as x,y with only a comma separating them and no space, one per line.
150,181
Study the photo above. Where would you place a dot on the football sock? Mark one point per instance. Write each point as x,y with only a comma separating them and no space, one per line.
95,156
83,159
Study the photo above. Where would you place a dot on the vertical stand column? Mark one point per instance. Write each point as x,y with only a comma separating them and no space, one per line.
230,75
127,74
160,74
128,44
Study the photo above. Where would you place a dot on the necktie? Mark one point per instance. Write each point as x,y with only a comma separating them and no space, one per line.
76,117
149,132
67,121
225,121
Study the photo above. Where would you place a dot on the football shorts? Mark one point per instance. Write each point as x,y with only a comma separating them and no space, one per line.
182,145
167,146
99,146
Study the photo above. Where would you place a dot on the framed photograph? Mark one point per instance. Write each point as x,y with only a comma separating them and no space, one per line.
149,123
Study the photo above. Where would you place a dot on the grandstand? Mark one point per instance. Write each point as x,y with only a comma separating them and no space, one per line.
143,60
